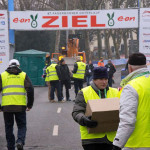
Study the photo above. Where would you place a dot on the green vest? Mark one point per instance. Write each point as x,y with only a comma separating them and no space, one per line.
81,70
141,134
90,94
51,73
13,91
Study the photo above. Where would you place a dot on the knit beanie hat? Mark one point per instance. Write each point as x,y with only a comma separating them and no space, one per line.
100,72
137,59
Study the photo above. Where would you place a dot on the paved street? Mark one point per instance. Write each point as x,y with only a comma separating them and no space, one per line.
50,125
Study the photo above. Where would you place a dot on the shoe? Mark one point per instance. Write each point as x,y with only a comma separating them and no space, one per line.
68,99
19,146
52,101
63,98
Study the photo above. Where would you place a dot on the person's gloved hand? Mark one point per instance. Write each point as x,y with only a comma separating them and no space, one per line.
116,148
88,122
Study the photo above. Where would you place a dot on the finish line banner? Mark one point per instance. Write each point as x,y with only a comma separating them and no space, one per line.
68,20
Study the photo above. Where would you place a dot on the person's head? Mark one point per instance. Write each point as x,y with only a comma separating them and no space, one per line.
136,61
78,58
54,61
62,61
109,61
100,77
14,63
90,62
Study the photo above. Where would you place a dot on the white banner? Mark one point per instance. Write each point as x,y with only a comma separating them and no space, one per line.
63,20
144,32
4,41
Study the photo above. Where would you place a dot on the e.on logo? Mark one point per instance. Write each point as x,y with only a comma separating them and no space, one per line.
76,21
121,18
22,20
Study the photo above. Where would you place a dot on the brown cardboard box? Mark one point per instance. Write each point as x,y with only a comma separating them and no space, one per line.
105,112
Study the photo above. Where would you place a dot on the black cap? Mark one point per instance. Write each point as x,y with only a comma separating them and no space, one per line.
100,72
137,59
62,60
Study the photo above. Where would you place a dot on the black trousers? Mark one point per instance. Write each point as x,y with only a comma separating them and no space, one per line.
67,86
110,81
78,85
98,146
20,118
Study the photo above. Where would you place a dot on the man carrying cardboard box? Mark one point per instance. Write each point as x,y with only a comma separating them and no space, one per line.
134,128
98,89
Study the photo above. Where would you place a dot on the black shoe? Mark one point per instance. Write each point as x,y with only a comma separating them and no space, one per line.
19,146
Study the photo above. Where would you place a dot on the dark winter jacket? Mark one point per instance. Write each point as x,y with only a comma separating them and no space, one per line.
79,111
89,69
111,69
64,72
28,87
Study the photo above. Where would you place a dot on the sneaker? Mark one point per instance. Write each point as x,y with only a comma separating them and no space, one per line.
68,99
52,101
19,146
63,98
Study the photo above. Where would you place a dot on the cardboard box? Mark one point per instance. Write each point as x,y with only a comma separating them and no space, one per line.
105,112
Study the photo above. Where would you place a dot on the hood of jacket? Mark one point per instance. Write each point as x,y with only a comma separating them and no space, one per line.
13,70
132,75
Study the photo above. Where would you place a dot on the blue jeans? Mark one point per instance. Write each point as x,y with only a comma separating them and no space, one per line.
20,118
88,80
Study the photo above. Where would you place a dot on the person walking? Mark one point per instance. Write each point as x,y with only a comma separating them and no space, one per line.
111,70
98,89
53,77
101,62
65,79
133,132
78,74
44,76
14,85
89,71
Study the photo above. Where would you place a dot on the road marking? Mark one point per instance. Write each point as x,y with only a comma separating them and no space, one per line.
55,130
59,110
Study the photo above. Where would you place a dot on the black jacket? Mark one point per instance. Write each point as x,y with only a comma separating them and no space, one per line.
89,70
111,69
64,72
29,89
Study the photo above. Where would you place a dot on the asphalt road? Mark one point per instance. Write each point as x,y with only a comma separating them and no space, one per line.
50,125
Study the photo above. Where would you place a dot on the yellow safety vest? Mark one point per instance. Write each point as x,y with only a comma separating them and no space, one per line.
90,94
13,91
51,73
81,70
141,134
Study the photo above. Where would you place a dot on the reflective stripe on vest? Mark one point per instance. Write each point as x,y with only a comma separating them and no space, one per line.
51,73
81,70
140,137
90,94
13,91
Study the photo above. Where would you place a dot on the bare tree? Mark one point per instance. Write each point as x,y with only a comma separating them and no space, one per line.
3,4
